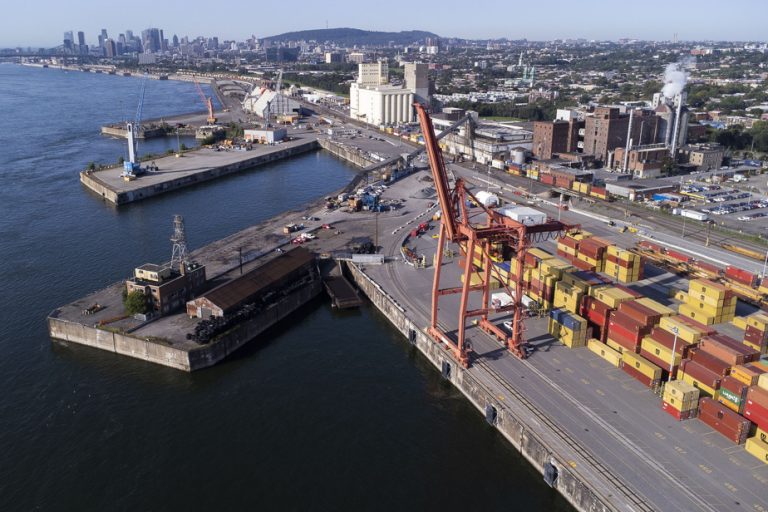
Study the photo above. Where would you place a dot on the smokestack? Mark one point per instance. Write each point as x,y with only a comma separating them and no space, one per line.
678,115
629,141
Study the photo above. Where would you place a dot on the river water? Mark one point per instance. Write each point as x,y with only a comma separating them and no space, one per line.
331,411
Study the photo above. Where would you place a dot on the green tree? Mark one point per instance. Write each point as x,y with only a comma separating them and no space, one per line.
136,303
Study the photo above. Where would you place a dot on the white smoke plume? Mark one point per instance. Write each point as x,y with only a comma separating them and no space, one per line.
675,78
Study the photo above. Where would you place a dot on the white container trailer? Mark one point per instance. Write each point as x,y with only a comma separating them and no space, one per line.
501,299
693,214
524,215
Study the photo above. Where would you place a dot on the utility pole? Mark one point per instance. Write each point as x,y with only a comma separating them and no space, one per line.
376,231
683,235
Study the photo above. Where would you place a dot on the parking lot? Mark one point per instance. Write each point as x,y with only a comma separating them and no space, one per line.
730,204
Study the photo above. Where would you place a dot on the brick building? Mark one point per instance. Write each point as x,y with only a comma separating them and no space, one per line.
606,129
553,137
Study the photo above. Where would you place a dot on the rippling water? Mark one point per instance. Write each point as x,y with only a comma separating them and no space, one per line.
332,411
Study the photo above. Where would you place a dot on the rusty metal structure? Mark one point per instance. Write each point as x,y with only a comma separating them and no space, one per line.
484,235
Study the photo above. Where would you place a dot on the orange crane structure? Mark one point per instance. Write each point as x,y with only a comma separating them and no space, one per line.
484,232
208,103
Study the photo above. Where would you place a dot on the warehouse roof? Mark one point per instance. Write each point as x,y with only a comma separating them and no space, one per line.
248,287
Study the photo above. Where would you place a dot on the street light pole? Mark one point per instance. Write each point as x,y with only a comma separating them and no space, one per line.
683,235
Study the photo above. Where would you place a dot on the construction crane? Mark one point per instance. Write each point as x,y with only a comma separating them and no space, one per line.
208,102
477,235
132,167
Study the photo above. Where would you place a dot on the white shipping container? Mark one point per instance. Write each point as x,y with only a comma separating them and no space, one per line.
500,299
487,199
693,214
524,215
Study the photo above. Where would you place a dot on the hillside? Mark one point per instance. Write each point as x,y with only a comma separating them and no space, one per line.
352,36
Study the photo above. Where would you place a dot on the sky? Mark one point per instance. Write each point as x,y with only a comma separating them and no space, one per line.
42,23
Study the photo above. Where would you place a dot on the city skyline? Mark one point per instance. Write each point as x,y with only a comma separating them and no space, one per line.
487,19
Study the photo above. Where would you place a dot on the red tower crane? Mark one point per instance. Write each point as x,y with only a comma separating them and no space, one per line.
208,103
477,235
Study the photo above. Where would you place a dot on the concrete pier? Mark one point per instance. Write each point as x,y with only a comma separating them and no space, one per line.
194,167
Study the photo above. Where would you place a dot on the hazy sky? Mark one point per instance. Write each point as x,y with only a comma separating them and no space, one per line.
43,22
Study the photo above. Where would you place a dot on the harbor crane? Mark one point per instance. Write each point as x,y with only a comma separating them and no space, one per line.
132,167
478,235
208,101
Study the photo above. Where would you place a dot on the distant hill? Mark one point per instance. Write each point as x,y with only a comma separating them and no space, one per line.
352,36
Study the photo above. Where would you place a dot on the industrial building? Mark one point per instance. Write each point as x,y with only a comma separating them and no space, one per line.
269,104
705,157
372,99
642,161
265,135
607,129
550,138
166,288
285,272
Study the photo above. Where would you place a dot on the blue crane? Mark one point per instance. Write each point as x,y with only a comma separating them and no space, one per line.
132,167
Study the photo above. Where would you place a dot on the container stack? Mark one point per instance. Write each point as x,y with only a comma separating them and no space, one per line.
680,400
568,297
756,405
640,369
695,374
756,332
657,347
567,247
569,328
723,420
629,324
605,352
592,252
709,302
758,445
624,266
598,316
732,394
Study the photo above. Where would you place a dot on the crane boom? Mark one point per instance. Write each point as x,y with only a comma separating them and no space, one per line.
208,102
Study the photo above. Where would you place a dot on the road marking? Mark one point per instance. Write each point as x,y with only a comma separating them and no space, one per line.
680,450
659,435
735,461
568,370
731,487
600,392
572,463
584,381
501,397
705,469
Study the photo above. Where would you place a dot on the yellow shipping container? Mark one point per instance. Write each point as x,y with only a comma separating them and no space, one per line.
703,388
757,448
762,381
607,353
761,434
555,267
732,406
679,405
682,390
707,287
656,306
588,260
743,375
611,296
705,309
685,331
758,320
473,280
700,317
580,235
641,364
540,253
660,351
681,296
567,250
613,250
615,346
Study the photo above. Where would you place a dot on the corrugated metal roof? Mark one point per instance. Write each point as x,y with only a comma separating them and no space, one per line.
246,287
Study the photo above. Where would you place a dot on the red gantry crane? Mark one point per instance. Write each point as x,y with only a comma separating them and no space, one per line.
478,237
208,103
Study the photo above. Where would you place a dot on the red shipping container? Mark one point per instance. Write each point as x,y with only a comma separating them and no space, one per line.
731,352
651,246
617,331
756,413
626,343
628,324
740,275
758,395
646,381
679,416
612,259
679,256
701,374
754,335
583,265
710,362
724,420
569,242
546,178
667,339
715,421
642,314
